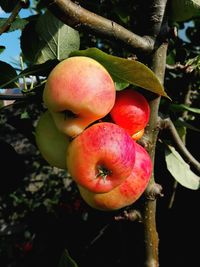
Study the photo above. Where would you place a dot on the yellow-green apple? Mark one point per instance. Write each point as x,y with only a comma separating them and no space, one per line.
78,91
138,135
131,110
101,157
128,191
51,143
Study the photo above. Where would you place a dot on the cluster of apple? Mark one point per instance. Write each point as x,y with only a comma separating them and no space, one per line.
109,167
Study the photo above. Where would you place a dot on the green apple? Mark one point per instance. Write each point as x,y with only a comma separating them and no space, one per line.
51,143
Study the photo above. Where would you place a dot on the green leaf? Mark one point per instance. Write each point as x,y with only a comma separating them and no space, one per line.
25,115
38,69
66,260
8,5
183,10
30,42
123,12
171,57
2,48
194,63
125,70
7,73
182,107
121,85
57,39
187,125
17,24
180,170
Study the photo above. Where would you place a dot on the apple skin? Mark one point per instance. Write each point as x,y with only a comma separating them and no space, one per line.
138,135
128,191
131,111
103,147
51,143
78,91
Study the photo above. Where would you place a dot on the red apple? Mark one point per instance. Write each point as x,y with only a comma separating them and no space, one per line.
131,111
101,157
128,191
51,143
78,91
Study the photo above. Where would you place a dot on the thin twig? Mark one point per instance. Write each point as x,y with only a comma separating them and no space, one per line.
130,215
187,101
100,233
12,97
80,18
22,68
5,27
171,202
177,66
168,124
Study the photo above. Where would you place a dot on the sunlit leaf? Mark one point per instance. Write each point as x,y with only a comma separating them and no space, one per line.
57,39
180,170
125,70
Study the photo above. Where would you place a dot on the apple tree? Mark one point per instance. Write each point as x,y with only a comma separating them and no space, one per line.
149,46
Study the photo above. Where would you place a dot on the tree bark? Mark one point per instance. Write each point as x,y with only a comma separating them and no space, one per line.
152,130
80,18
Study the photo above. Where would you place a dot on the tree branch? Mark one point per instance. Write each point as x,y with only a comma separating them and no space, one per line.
153,21
168,124
79,18
150,138
130,215
151,134
12,97
5,27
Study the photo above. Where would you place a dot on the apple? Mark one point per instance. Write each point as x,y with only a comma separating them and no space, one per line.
138,135
128,191
131,110
101,157
51,143
78,91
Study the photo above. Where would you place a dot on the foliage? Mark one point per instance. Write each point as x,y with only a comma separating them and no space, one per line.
125,71
52,39
44,42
